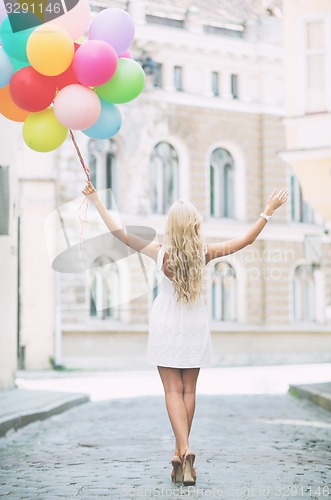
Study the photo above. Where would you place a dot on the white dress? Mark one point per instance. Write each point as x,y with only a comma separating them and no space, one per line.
179,333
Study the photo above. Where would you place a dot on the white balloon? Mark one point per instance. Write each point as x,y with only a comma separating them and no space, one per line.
75,21
3,11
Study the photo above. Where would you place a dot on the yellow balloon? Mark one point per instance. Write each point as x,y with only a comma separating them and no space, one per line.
50,49
42,132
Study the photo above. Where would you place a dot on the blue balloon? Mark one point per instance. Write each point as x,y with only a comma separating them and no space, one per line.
6,68
18,64
14,40
108,123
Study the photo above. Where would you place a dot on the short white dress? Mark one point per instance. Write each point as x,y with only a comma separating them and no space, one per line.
179,333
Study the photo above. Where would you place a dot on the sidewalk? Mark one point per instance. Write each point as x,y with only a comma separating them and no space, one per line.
320,394
19,407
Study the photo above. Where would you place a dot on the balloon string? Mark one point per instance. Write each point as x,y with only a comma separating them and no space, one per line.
82,221
85,200
81,159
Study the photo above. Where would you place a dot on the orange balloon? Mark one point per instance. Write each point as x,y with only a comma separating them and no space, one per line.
9,109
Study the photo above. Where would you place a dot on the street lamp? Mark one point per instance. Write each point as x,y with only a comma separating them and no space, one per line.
148,64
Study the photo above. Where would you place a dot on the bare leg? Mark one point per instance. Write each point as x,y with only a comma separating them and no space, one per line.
180,389
189,377
174,398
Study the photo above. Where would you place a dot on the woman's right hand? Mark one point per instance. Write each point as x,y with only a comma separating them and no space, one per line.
90,192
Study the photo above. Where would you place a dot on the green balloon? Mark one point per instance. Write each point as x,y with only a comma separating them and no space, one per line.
42,132
125,85
14,43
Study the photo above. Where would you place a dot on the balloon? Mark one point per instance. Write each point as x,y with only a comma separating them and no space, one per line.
32,91
9,109
42,132
76,20
127,54
95,63
50,49
113,26
6,68
126,84
19,64
68,77
108,123
3,12
14,43
77,107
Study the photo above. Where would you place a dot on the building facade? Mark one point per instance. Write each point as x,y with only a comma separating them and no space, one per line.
308,112
308,104
9,256
208,127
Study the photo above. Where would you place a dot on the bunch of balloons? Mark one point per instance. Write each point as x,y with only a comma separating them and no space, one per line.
53,83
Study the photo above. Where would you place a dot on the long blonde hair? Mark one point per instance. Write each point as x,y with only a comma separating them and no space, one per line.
184,244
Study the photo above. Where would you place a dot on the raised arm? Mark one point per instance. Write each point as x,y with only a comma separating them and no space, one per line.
227,247
131,240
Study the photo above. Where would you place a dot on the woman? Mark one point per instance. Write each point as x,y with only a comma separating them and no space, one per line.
179,341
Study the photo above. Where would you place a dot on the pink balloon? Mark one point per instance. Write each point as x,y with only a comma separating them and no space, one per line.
77,107
95,62
75,21
127,54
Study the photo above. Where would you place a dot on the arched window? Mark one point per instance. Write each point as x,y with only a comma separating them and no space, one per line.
102,165
300,210
221,183
223,293
164,177
104,291
304,293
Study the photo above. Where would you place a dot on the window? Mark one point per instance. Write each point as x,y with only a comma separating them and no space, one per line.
221,184
166,21
223,292
164,177
104,292
157,76
102,165
178,78
215,83
233,31
315,67
304,293
300,210
234,87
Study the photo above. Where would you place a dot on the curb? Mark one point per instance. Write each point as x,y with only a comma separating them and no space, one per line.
18,420
316,393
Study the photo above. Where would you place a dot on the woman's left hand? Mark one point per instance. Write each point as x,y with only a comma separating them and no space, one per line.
91,192
276,200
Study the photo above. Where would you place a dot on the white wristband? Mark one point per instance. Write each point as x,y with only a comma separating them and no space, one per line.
265,216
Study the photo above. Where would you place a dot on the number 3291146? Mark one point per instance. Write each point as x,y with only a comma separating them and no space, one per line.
33,8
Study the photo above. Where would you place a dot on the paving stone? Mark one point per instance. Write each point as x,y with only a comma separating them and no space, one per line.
254,447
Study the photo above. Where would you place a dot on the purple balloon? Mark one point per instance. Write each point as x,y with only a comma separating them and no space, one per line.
114,26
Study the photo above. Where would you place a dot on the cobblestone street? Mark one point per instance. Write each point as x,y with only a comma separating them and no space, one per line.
247,446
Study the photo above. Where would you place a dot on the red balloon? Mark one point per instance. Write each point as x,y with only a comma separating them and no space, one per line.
68,77
32,91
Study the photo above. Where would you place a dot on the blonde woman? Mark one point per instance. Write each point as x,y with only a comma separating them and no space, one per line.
179,341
